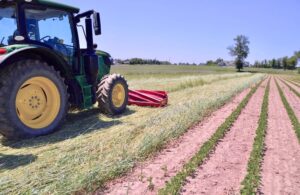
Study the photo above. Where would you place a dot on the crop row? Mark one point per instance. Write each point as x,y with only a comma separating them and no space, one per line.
175,184
251,182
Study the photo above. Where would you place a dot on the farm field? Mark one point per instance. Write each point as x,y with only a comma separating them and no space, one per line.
212,134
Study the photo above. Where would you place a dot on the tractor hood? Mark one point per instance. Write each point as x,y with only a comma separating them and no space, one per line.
107,59
8,49
103,53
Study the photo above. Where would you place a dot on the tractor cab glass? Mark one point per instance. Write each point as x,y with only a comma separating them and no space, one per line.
52,28
9,22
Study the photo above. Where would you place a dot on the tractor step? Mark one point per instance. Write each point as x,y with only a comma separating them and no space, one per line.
146,98
86,90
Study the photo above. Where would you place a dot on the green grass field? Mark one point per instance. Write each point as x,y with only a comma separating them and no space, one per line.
91,148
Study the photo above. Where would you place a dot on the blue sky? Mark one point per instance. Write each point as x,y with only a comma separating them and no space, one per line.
195,30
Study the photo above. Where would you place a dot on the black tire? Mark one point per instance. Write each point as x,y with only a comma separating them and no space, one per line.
11,79
105,94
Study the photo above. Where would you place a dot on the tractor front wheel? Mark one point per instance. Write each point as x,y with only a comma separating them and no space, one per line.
113,94
33,99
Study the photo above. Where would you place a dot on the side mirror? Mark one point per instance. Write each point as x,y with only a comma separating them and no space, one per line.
97,23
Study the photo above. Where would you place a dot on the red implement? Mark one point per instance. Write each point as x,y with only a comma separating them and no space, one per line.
148,98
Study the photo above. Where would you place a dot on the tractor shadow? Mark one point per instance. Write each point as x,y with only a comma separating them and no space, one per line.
77,124
10,162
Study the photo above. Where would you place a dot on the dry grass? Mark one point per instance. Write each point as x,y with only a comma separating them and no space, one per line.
92,148
163,71
293,78
183,82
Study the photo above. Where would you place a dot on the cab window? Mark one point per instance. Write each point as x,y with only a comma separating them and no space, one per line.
9,22
51,27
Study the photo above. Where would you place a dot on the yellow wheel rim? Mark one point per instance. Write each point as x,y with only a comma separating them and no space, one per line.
38,102
118,95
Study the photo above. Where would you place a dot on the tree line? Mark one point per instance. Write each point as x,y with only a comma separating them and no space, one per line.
140,61
286,63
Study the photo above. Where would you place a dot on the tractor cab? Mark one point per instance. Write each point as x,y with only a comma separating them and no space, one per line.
44,69
51,25
36,22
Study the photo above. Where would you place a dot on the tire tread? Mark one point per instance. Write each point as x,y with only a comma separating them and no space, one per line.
104,90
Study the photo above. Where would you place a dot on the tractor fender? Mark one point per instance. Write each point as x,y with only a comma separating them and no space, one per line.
41,53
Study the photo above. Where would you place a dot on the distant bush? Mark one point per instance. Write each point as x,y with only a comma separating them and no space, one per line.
212,64
140,61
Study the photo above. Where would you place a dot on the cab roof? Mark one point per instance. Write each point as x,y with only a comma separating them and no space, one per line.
58,5
47,3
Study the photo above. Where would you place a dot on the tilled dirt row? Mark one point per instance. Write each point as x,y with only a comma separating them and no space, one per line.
295,85
170,160
291,97
224,171
281,168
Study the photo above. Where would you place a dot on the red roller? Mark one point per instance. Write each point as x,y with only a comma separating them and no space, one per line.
147,98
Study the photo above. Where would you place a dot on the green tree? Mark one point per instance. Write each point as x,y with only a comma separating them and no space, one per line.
256,64
297,54
210,63
265,63
240,50
291,63
274,63
285,63
278,63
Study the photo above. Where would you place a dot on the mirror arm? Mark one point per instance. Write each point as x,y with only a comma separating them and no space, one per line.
89,35
84,15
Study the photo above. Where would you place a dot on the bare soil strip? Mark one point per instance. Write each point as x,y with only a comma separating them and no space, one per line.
150,176
223,172
295,85
291,97
290,111
281,169
291,87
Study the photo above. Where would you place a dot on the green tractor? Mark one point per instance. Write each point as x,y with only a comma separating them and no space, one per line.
44,72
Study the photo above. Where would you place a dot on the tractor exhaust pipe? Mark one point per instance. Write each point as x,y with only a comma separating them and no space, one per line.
89,35
90,58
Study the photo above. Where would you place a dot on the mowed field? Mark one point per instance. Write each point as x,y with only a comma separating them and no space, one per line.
222,133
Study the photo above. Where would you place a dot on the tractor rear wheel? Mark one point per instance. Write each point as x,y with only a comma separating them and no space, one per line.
113,94
33,99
